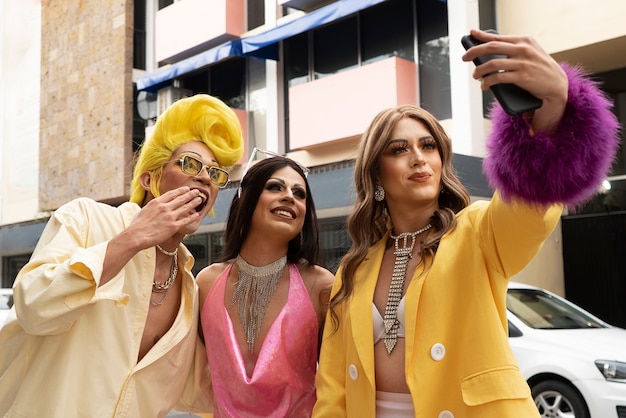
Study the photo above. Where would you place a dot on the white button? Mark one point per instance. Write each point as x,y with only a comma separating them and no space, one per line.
353,372
438,352
446,414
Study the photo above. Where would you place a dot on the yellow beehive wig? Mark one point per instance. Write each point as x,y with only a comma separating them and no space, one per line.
200,118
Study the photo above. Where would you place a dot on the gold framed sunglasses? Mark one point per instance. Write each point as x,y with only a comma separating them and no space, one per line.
193,167
268,154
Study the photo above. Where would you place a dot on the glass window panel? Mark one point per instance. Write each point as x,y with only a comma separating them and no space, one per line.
11,266
139,35
256,13
606,200
335,47
296,55
387,31
228,82
541,310
197,81
434,57
619,100
334,242
205,248
198,245
613,198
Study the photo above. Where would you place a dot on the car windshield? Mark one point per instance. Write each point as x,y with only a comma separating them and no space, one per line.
538,309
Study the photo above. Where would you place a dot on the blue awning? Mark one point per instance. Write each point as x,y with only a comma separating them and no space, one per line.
256,45
153,80
262,45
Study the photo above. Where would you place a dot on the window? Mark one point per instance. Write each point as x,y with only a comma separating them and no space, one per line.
335,48
139,35
226,80
334,242
613,198
296,52
387,31
434,58
256,13
205,249
12,265
139,125
392,28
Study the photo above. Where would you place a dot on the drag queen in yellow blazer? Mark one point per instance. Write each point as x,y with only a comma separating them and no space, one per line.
457,360
457,355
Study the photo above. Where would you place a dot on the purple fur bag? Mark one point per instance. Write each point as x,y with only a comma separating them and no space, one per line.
566,166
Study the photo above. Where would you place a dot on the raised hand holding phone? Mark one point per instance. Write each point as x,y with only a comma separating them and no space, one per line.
514,100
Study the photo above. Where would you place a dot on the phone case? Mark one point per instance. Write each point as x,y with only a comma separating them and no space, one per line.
514,100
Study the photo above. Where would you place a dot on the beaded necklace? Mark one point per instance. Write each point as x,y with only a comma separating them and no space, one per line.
403,251
254,288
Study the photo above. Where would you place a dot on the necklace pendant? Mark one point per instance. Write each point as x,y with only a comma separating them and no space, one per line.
390,343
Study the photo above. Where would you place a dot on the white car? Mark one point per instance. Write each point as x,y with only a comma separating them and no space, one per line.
6,301
574,362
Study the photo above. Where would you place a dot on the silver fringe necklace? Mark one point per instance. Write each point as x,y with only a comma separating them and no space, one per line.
254,288
403,251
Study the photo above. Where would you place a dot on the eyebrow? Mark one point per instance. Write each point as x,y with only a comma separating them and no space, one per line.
197,155
402,140
285,183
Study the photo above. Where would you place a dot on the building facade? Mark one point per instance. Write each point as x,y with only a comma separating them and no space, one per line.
304,76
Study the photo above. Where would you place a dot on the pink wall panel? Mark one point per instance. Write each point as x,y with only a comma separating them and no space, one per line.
340,106
188,24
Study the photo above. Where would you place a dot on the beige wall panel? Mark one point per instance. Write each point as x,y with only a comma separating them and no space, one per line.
86,101
587,32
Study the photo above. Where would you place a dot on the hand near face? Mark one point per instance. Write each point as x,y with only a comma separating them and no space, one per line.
170,214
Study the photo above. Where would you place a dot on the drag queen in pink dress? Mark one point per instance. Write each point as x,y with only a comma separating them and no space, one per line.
264,303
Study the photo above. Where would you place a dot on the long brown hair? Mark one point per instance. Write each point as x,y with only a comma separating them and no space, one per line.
369,221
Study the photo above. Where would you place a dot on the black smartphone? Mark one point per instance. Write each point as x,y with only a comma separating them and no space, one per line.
514,99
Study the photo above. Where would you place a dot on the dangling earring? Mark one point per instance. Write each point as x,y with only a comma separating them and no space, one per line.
442,190
379,193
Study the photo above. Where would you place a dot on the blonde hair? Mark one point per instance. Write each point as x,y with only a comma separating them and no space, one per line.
200,118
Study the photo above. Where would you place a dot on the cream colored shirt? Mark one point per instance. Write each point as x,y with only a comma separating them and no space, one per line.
69,348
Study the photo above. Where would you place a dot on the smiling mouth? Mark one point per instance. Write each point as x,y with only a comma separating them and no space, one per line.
285,213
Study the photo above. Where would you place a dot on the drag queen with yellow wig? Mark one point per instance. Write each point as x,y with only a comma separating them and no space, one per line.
106,311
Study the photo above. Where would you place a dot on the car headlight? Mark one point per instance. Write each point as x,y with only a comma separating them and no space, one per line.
614,371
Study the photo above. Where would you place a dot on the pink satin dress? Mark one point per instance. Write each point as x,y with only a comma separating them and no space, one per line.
283,381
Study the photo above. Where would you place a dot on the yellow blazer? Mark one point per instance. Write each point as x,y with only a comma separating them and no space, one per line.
458,360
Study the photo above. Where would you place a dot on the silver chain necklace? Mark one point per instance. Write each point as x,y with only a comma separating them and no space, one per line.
403,251
254,288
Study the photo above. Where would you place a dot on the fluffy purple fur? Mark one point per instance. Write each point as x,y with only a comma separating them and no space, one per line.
567,166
